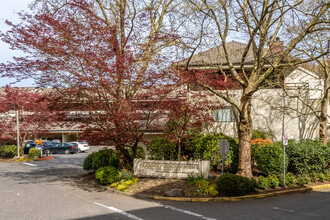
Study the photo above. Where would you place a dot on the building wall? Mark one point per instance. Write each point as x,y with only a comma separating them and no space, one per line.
269,106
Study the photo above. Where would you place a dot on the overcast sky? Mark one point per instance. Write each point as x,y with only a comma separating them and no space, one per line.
8,11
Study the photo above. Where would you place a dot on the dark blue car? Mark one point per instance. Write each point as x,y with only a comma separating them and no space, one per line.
28,146
57,148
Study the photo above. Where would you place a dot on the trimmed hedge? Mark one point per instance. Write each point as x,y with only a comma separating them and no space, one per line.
232,185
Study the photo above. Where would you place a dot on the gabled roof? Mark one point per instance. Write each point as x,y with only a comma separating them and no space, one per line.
216,55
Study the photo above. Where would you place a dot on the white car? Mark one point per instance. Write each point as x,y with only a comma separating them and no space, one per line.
82,146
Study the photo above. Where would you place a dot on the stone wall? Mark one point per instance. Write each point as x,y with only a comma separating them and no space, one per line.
170,169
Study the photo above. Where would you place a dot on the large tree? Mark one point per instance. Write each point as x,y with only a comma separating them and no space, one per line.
259,24
316,47
105,60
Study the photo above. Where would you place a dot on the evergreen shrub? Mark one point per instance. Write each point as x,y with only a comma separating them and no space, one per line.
206,147
269,158
262,182
273,181
321,177
105,158
107,175
34,153
8,151
308,156
162,149
88,162
101,158
313,176
232,185
290,179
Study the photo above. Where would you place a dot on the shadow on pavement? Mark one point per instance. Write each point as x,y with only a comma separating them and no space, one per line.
62,170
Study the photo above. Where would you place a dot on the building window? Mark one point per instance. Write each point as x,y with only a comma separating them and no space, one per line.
225,114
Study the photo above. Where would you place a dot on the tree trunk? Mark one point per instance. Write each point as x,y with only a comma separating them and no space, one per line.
179,149
323,122
244,136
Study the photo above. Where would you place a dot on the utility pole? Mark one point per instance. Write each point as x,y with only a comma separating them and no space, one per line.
17,131
283,137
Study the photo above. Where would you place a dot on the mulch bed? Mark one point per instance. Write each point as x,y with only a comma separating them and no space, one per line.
149,187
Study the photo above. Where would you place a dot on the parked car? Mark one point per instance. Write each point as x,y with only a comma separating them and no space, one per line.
82,145
28,146
57,148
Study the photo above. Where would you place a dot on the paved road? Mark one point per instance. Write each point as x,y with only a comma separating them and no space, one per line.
46,190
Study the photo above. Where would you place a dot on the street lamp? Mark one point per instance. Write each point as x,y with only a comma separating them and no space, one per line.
17,124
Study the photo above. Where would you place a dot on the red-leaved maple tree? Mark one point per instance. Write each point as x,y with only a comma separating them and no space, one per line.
105,62
33,114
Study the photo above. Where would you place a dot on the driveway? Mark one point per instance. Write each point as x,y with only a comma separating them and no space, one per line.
48,190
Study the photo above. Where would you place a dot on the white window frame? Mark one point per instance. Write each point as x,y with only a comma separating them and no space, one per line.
225,114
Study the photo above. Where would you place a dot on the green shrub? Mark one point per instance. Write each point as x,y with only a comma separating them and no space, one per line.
301,180
280,179
308,156
8,151
162,149
105,158
273,181
107,175
233,185
34,153
321,177
290,179
257,134
262,182
139,152
88,162
327,175
313,176
206,147
269,158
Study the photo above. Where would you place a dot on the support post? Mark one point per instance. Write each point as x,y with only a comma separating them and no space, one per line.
17,131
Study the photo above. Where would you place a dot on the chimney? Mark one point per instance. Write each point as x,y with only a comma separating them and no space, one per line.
277,46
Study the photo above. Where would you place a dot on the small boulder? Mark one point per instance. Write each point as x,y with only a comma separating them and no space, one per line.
174,193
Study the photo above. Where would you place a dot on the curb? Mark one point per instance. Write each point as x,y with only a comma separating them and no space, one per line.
242,198
320,186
